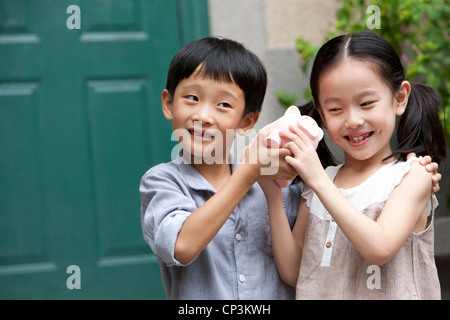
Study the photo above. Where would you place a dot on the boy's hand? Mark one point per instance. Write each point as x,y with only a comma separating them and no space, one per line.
431,167
267,163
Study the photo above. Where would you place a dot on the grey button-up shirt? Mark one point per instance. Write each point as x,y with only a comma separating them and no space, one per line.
238,263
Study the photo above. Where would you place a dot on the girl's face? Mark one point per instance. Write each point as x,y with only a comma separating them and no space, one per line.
359,109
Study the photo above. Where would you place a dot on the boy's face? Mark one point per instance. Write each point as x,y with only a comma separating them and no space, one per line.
206,113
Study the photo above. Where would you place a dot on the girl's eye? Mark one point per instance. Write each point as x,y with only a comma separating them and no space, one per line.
368,103
192,98
224,105
334,110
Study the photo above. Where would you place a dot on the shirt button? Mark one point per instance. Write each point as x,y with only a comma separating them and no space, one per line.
241,278
238,237
329,244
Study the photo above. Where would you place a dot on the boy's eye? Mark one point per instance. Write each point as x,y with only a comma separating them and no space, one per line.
192,98
224,105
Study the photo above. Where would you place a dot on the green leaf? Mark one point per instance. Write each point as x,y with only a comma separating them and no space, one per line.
286,99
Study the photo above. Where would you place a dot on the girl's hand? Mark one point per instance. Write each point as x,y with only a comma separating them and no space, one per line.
269,187
431,167
267,162
304,156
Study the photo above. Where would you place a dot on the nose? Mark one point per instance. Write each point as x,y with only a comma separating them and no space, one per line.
354,119
203,114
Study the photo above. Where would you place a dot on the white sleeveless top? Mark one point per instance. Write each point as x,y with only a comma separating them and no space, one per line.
332,268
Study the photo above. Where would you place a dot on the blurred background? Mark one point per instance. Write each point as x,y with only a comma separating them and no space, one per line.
81,120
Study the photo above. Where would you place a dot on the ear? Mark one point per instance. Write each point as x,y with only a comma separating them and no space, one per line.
167,106
402,97
248,122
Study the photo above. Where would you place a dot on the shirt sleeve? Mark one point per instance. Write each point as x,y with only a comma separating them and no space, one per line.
165,205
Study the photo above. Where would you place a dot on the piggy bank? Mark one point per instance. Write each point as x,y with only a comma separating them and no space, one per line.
291,117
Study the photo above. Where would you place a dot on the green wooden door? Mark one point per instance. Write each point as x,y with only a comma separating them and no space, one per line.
80,122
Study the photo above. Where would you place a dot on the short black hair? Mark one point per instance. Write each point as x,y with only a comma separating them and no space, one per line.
222,60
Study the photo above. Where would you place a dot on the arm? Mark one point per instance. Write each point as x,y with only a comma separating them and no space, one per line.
203,224
287,244
377,241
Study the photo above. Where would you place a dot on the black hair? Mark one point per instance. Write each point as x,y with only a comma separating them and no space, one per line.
222,60
419,128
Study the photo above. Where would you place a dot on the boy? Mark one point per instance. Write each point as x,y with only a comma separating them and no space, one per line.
205,220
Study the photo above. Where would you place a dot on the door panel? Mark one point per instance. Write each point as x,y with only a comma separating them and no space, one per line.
80,121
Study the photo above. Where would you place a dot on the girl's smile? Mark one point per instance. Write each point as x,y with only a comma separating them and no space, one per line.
359,110
358,139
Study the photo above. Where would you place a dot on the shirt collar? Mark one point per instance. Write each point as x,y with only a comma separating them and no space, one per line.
193,178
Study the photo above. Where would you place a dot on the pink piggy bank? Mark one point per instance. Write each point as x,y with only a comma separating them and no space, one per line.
292,117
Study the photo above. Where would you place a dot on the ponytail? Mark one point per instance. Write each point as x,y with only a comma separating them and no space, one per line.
420,128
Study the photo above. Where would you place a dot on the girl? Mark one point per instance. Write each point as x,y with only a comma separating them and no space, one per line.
364,229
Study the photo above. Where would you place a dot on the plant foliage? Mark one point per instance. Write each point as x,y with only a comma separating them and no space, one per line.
419,30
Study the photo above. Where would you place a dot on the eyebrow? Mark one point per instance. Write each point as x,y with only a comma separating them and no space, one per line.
225,93
191,87
366,93
331,99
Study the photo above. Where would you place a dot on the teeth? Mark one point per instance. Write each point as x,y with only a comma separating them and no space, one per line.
358,139
200,133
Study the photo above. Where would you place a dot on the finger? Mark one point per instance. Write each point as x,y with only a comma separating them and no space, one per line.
294,149
425,160
283,152
300,133
436,178
412,154
290,161
287,134
286,171
432,167
293,136
262,135
435,188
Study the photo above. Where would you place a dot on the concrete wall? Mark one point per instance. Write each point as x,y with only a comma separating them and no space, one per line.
269,28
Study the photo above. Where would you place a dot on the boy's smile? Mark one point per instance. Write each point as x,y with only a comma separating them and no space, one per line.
207,111
199,134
